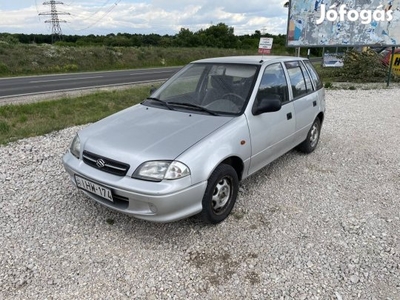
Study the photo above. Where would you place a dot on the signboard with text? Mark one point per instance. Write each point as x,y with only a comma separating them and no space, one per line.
344,23
265,45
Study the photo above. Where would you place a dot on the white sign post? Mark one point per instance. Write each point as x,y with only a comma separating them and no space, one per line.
265,45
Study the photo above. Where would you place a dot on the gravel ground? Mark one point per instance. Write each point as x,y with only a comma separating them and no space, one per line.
322,226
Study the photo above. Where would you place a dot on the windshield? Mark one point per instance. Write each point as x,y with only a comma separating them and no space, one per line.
208,88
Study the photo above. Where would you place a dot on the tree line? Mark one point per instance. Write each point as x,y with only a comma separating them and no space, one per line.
216,36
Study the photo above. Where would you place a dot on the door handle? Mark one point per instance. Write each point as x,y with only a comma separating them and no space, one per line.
289,116
314,103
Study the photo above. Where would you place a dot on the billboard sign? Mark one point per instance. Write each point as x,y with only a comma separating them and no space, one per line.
327,23
265,45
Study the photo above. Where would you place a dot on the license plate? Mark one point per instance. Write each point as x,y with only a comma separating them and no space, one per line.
94,188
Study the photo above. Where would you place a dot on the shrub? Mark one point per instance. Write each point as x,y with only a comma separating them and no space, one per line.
363,66
4,70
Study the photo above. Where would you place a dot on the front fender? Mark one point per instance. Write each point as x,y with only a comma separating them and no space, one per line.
232,139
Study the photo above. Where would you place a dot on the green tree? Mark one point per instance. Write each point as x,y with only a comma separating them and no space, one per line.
220,35
186,38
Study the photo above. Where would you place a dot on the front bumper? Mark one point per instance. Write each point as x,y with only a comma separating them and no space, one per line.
166,201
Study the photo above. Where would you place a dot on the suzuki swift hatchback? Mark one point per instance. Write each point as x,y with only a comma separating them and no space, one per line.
184,150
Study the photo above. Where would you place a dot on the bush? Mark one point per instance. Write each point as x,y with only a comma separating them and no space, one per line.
364,66
4,70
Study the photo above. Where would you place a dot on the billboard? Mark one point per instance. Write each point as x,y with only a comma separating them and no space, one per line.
330,23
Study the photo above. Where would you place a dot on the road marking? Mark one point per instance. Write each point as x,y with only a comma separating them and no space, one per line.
65,79
148,73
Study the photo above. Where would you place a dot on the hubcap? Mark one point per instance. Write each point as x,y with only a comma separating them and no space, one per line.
314,135
221,195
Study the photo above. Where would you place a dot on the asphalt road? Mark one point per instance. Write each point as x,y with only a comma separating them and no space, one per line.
23,86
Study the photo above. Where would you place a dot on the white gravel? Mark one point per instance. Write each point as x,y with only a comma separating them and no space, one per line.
322,226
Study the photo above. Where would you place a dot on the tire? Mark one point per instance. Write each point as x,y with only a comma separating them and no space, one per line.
220,195
311,142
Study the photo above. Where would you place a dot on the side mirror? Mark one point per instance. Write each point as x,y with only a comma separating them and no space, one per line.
270,103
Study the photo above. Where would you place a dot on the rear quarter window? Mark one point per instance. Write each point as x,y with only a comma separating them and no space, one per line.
299,79
314,75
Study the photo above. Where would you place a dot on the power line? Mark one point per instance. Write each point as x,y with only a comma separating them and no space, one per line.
98,19
103,16
94,18
56,32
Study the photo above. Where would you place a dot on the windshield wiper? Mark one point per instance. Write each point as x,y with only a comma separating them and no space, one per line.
165,103
198,107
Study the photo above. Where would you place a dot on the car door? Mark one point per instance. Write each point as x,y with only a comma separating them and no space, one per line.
271,133
305,99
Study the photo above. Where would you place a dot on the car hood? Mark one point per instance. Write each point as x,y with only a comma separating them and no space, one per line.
142,133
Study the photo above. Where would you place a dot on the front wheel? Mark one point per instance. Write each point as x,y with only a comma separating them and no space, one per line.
220,195
311,142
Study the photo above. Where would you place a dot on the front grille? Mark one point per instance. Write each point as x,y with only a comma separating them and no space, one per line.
105,164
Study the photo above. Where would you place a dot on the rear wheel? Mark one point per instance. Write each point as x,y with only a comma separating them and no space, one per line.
311,142
220,195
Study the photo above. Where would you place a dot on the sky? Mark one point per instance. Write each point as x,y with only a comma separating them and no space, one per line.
162,17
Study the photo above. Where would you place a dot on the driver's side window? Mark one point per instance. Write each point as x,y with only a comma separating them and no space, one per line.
273,84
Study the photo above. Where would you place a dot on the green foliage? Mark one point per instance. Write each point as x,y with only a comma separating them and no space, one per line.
215,36
4,70
4,127
9,39
70,68
45,59
362,67
33,54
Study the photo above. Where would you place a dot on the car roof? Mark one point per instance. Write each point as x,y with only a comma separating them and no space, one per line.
249,59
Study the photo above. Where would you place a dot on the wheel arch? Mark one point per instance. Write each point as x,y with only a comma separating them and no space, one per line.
321,117
237,163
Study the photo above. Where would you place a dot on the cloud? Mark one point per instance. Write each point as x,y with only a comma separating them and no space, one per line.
141,16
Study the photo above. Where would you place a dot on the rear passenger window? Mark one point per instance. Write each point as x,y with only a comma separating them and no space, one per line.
273,84
299,79
314,75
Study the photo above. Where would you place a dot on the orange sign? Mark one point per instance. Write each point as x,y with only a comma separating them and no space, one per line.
396,64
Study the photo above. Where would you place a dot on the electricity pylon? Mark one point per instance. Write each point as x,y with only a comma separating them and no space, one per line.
56,31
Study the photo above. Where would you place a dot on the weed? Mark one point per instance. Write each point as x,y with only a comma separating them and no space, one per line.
22,118
4,127
110,221
238,215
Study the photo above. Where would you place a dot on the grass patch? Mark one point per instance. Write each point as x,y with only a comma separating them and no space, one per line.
27,120
32,59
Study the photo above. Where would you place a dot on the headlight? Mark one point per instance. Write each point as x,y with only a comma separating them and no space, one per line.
159,170
76,146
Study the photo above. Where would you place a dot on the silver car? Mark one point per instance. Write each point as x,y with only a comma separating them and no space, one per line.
184,150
